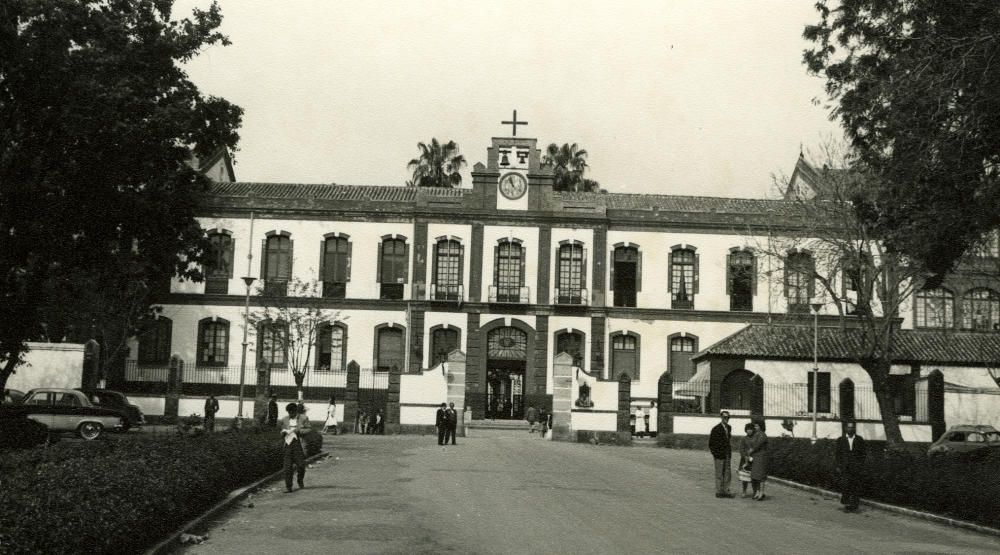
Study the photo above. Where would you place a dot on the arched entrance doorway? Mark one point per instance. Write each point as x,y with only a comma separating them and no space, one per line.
506,361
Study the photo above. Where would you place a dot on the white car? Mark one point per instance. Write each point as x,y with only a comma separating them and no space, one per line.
69,410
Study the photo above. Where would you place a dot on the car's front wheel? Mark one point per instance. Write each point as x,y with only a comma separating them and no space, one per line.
90,430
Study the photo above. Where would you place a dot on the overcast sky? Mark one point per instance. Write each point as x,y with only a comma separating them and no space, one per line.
681,97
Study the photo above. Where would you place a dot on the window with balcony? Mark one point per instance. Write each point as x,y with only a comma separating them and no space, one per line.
508,273
741,280
980,310
335,266
800,281
683,271
571,279
393,266
277,262
447,270
213,342
934,308
331,348
219,265
626,275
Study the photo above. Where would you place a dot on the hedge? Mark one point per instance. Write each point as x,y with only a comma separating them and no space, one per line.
964,486
125,494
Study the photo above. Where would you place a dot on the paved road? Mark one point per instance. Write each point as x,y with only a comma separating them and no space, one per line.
408,495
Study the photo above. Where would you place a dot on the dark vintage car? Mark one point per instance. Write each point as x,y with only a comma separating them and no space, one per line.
117,400
66,410
11,397
962,439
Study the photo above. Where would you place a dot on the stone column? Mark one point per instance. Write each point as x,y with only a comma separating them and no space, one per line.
455,379
262,391
351,396
175,382
562,397
392,401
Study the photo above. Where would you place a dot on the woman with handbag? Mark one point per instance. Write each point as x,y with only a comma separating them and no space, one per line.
744,467
758,461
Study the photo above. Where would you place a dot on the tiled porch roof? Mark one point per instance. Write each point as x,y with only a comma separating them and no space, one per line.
796,343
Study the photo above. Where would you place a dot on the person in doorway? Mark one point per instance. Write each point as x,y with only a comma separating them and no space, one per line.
293,429
331,416
640,422
757,455
653,416
211,407
531,415
851,452
543,421
631,423
272,412
743,470
378,423
451,418
441,421
720,446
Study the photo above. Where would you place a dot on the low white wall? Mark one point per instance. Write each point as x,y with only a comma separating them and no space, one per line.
150,406
418,416
426,387
828,429
595,421
49,365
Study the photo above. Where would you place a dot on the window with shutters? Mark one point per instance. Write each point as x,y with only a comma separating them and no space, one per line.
625,355
934,308
277,264
447,270
154,341
219,266
571,343
443,342
393,268
799,281
388,349
331,348
336,267
272,344
570,274
980,310
683,273
682,348
213,342
822,393
508,272
741,280
625,271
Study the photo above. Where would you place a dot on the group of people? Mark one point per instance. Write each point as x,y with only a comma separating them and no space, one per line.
539,420
752,468
369,422
446,421
643,421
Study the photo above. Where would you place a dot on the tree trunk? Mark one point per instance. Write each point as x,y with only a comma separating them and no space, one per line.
299,378
7,371
890,422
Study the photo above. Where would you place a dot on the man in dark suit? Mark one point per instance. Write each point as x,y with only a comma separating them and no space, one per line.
720,446
851,452
451,416
441,421
211,407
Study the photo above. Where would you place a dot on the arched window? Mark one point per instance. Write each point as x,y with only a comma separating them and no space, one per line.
335,266
219,265
934,308
571,281
508,272
625,354
443,342
389,349
741,279
277,262
393,266
213,342
683,270
272,344
980,310
447,271
800,285
682,348
571,343
331,348
736,391
154,341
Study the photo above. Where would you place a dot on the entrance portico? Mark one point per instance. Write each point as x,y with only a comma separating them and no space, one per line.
503,382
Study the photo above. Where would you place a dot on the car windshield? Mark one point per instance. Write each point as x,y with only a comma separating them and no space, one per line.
993,437
107,399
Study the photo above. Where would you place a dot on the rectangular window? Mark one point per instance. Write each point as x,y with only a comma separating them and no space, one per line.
508,277
272,344
447,270
213,343
823,393
625,272
741,275
681,351
336,267
682,276
799,282
330,349
570,274
219,266
903,393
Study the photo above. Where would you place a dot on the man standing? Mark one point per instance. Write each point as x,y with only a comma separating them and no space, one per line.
722,452
532,417
293,428
451,417
441,421
851,452
272,411
211,407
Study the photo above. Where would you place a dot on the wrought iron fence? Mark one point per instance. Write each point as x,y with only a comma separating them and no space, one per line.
143,378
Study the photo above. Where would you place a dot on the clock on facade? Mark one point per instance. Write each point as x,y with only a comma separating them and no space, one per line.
513,185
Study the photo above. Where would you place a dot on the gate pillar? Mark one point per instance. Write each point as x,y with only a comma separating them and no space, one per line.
351,397
455,379
562,397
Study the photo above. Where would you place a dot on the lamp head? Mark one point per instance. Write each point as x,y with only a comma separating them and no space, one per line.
249,280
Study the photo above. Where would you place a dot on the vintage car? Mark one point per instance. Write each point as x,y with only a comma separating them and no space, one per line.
962,439
11,397
117,400
67,410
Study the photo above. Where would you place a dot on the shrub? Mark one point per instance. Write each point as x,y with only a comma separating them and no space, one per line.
20,432
126,494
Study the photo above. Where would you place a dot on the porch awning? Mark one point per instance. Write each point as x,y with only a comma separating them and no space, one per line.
698,385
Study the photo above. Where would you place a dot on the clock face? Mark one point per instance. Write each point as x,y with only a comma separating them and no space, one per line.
513,186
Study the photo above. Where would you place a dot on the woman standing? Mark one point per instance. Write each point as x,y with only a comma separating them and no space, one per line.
744,468
757,454
331,417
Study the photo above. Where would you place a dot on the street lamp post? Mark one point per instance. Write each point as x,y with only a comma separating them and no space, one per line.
815,392
243,358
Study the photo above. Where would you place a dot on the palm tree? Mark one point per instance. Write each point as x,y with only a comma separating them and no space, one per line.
437,166
569,162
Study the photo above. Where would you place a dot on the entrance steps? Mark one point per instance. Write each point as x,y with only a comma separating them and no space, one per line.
498,429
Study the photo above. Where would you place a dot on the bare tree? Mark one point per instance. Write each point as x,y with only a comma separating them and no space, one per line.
288,324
